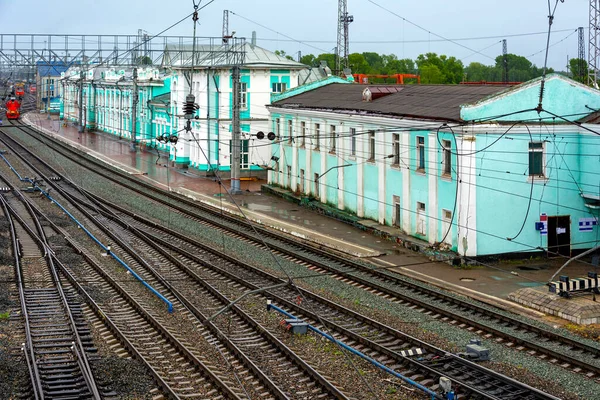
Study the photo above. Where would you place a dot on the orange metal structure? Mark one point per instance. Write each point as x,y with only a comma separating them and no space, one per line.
364,78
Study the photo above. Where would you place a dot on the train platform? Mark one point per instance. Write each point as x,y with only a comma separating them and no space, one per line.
278,209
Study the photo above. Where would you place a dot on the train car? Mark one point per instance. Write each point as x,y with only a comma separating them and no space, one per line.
13,109
19,91
32,89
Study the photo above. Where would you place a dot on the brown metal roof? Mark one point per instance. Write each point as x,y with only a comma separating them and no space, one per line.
439,102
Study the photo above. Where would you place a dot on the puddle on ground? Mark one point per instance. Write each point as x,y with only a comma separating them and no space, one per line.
497,278
530,284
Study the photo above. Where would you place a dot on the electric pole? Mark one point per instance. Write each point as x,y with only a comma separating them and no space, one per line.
580,55
593,49
235,133
81,76
342,48
134,102
225,26
504,61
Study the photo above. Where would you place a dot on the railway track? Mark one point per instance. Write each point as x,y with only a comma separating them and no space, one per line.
57,346
254,347
387,343
481,319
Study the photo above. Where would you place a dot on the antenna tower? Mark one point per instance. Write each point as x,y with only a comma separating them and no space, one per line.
225,26
342,49
504,61
580,55
593,49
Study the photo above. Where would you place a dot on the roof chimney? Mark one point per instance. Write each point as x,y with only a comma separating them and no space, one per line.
253,42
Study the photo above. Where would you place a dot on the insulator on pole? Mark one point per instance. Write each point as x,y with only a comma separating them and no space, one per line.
189,108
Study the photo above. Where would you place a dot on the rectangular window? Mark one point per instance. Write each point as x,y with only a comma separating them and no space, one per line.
420,153
317,136
396,149
244,153
536,159
371,146
301,182
332,140
243,96
352,141
289,175
303,131
290,132
447,158
279,87
317,186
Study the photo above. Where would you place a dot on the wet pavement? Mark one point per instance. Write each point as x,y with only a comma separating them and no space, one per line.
489,282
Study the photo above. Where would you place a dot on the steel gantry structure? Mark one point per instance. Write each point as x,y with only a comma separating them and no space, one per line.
25,51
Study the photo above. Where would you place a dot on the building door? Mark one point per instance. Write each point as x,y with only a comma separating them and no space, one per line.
421,219
397,212
301,182
317,195
447,226
559,235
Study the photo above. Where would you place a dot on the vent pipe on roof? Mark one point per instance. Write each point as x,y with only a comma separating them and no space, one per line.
253,42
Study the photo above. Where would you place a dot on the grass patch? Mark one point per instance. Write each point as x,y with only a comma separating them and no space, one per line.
4,316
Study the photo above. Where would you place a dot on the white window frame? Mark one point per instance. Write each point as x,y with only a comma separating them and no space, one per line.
278,87
371,146
243,96
353,142
541,149
447,158
303,132
332,139
317,136
420,153
396,149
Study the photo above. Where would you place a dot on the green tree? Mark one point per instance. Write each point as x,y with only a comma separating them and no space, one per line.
308,59
450,69
431,74
579,69
477,72
359,64
282,53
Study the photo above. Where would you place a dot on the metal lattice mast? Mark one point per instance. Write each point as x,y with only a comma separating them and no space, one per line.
225,26
593,49
343,42
504,61
580,54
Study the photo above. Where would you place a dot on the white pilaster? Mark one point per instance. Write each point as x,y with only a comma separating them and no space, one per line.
360,173
342,146
432,166
381,167
467,210
405,149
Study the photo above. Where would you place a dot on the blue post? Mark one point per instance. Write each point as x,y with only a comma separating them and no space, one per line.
358,353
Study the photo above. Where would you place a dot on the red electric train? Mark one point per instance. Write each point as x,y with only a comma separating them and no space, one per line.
13,107
19,91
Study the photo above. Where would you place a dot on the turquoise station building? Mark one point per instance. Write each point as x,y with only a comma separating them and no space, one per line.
472,168
108,102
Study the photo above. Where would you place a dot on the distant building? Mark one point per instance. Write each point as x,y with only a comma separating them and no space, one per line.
107,103
461,166
47,81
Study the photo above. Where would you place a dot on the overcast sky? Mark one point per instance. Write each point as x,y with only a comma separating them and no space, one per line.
313,22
